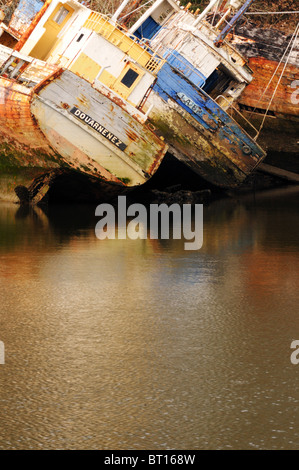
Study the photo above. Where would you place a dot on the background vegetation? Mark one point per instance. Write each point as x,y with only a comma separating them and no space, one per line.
8,6
283,22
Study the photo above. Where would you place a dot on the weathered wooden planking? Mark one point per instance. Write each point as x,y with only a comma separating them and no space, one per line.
16,121
83,145
5,52
268,43
211,116
25,153
254,94
35,72
38,71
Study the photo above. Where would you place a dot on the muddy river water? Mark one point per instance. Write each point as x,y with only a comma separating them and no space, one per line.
139,344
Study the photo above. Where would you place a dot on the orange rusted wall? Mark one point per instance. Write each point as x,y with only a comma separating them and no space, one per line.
263,70
32,25
15,116
24,14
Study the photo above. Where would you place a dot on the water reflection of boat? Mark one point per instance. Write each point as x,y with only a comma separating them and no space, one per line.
230,226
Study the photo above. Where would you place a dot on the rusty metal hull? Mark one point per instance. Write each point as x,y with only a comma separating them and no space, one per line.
281,126
257,95
265,50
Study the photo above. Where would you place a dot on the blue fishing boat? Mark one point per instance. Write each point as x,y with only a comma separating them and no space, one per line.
193,97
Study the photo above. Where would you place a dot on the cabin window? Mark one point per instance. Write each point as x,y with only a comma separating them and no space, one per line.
129,78
61,15
80,37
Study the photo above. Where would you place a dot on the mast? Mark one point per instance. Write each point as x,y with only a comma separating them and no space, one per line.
220,38
206,10
121,7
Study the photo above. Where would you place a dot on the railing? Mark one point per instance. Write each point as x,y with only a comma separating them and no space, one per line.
230,105
23,69
179,21
130,45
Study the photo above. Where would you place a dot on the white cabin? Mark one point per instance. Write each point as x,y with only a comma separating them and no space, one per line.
92,46
183,38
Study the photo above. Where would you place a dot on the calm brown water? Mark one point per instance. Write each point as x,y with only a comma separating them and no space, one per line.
122,344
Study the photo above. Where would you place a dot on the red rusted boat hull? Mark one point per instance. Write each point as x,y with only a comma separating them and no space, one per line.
279,134
284,102
265,48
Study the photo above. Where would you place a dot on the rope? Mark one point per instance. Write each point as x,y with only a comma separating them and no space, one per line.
215,12
271,12
296,32
274,73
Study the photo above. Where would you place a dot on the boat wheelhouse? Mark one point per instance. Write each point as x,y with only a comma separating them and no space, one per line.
193,98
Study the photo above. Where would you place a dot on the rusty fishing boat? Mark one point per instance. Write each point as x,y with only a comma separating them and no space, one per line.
195,95
271,100
191,78
57,117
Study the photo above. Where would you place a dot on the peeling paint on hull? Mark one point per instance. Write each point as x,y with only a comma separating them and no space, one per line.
195,148
265,50
91,143
209,141
24,151
281,127
255,95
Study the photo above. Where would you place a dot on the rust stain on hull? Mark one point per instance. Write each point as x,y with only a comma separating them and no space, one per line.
120,102
17,123
254,95
47,80
84,100
81,162
132,135
27,141
143,147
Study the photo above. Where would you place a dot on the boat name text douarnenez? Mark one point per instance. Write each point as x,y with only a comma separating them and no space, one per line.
98,127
